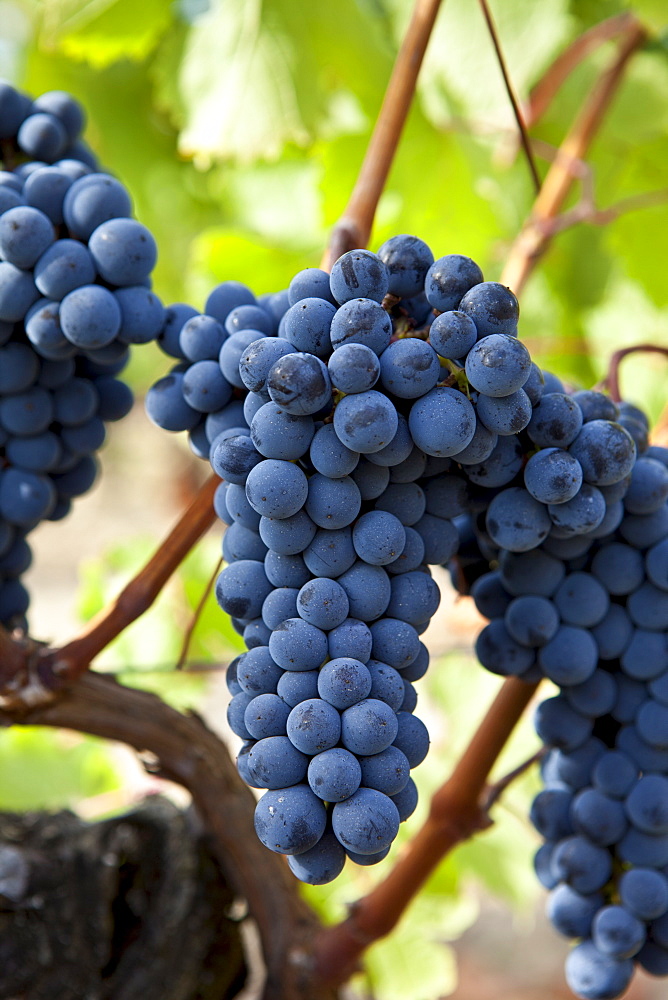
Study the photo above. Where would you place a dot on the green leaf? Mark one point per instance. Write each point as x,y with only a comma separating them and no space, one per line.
101,32
45,769
461,70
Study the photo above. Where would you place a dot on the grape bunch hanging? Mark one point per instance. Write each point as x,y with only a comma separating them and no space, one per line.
384,419
366,425
74,295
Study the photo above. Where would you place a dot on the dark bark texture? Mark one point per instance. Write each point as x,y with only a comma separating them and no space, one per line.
131,908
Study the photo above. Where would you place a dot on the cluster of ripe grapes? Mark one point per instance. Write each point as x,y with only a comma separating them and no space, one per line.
367,425
74,295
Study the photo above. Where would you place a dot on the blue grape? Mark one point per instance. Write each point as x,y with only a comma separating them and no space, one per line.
408,260
553,476
366,822
648,607
233,457
266,715
490,596
175,317
479,448
257,672
502,465
414,597
614,774
617,933
354,368
276,489
516,521
378,537
498,365
492,307
245,318
323,602
334,775
405,501
232,351
290,820
361,321
330,456
555,422
343,682
279,605
365,422
581,600
584,866
65,108
359,274
605,451
440,538
656,564
580,515
648,490
25,497
592,975
442,423
559,725
398,449
277,434
330,553
409,368
42,137
312,282
412,738
332,503
92,200
124,251
571,912
295,686
596,696
226,297
387,771
647,804
395,642
201,337
406,800
17,292
313,726
205,388
287,536
644,530
306,326
241,589
598,817
352,638
286,571
299,384
371,480
386,684
505,415
500,653
320,864
532,620
452,334
550,813
142,314
644,892
297,645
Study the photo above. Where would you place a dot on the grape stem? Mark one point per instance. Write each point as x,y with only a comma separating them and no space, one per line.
543,93
612,379
197,614
512,97
536,234
354,227
456,813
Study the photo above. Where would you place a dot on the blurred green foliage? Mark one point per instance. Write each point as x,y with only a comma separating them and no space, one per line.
239,127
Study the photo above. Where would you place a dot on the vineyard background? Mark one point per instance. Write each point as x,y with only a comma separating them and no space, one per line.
239,127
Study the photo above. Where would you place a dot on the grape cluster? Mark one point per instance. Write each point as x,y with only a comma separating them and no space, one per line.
386,418
589,611
74,294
